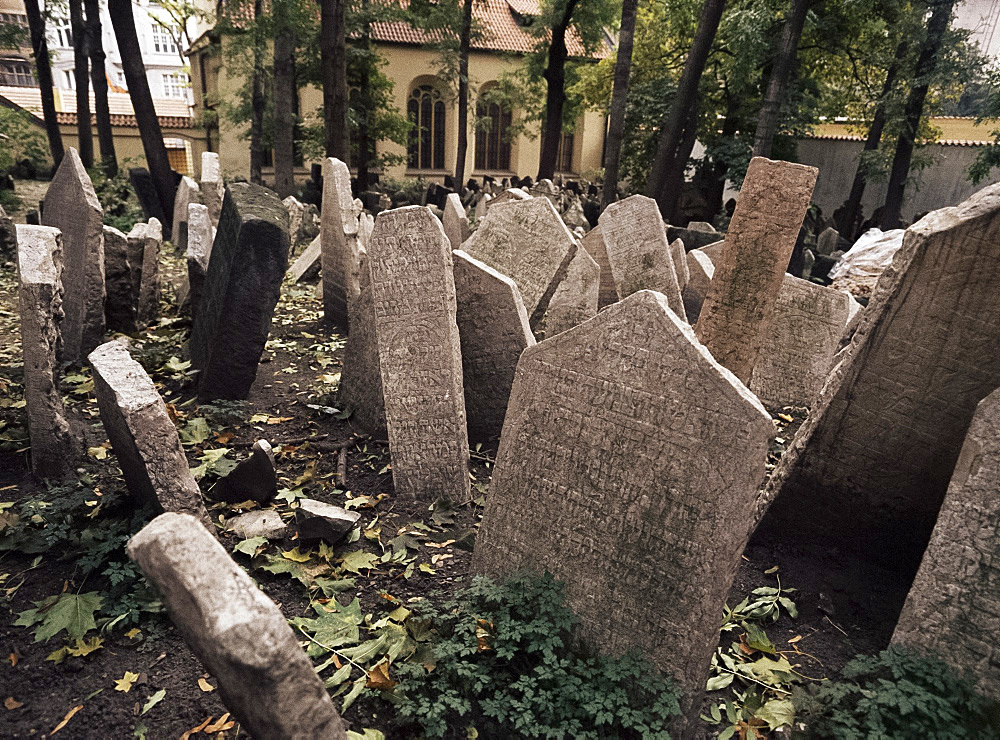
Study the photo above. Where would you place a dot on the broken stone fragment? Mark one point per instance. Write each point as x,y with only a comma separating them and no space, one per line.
320,521
265,523
253,479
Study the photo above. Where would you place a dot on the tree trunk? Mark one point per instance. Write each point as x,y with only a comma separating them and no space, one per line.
99,81
464,43
333,64
257,102
555,94
852,205
685,100
770,110
364,107
926,63
142,104
284,105
619,93
43,71
81,77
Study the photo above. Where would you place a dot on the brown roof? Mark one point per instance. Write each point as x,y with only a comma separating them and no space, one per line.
118,119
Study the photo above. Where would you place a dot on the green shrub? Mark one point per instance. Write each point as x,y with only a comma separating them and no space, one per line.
504,663
21,141
897,694
118,199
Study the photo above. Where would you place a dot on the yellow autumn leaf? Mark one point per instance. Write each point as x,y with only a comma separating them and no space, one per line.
132,633
11,703
296,556
205,685
98,453
67,718
125,682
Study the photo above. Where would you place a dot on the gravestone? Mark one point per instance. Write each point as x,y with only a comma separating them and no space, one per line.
830,240
71,206
187,192
692,238
797,354
593,242
528,242
739,307
700,272
145,190
703,226
39,268
627,468
200,236
869,468
493,327
148,303
576,298
455,222
678,255
238,633
241,289
212,186
508,195
713,251
638,251
339,235
420,357
8,237
119,304
360,389
953,608
143,437
296,211
306,265
483,206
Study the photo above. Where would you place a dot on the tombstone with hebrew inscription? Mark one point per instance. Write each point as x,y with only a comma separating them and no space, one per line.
593,242
420,356
338,235
627,468
577,297
360,390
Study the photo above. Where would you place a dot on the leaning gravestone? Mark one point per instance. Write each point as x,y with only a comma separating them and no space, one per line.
797,354
678,255
455,222
493,326
148,304
119,303
198,253
339,235
420,356
296,210
71,206
954,605
713,251
242,286
627,468
306,265
212,186
142,435
360,380
638,251
700,271
593,242
508,195
187,193
577,296
238,633
869,468
39,268
528,242
739,308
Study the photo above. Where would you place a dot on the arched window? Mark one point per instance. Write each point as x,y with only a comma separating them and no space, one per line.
492,137
426,112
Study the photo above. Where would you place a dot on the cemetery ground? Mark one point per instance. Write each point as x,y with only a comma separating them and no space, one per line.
87,651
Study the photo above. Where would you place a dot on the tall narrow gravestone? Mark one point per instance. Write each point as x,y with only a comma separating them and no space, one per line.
198,252
142,435
797,354
739,308
627,468
71,206
528,242
339,240
869,468
593,242
638,251
119,304
420,356
39,267
241,289
700,272
953,607
187,192
148,304
455,222
212,187
493,327
360,380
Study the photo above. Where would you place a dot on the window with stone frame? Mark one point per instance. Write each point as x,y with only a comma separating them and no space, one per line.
175,85
492,136
426,112
163,39
63,32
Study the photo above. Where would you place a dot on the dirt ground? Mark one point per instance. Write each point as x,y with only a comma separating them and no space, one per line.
291,405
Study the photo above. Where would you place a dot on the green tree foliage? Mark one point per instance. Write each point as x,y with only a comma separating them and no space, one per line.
20,139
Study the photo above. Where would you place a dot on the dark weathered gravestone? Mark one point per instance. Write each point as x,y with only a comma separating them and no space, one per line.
8,237
869,468
119,303
627,468
188,192
238,633
493,326
693,238
198,252
249,259
145,190
339,239
148,303
420,357
360,389
953,608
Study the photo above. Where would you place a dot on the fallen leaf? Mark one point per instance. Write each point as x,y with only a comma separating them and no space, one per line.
125,682
13,659
279,419
11,703
205,685
67,718
196,730
795,639
154,700
224,438
296,556
378,678
221,725
98,453
132,633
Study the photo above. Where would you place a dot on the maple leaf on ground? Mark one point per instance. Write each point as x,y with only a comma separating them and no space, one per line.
73,613
125,682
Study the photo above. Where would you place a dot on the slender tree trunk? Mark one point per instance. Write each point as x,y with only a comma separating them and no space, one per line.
257,102
43,72
464,43
333,64
81,77
105,136
142,105
685,100
674,181
364,108
555,94
619,94
852,205
284,104
913,110
770,110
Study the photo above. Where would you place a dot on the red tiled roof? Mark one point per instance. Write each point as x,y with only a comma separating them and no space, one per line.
501,31
117,119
